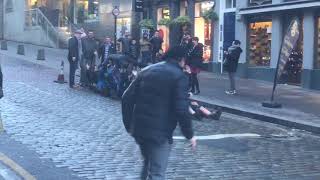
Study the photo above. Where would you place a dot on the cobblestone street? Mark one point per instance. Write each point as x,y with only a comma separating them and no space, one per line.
82,131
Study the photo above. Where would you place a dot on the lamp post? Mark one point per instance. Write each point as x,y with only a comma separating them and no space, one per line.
115,13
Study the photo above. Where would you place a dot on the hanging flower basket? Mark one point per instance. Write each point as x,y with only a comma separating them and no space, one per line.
182,21
146,23
164,22
210,15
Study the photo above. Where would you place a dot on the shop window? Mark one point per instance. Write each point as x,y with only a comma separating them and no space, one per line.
231,4
88,10
202,28
260,43
317,63
164,13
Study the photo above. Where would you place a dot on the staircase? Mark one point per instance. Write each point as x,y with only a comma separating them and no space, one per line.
56,37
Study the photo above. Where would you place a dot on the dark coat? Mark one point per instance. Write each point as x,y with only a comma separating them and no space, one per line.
101,52
196,56
125,42
89,46
156,43
156,101
232,59
73,49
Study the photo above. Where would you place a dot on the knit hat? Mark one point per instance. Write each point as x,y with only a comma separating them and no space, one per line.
175,53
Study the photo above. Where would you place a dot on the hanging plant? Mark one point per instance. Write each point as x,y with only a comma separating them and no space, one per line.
164,22
210,15
146,23
181,21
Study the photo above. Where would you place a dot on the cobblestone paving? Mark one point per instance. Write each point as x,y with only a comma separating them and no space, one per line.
82,131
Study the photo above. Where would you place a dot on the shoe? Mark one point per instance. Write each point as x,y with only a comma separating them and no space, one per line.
196,93
217,115
233,92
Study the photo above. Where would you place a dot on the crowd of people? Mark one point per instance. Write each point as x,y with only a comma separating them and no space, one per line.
102,68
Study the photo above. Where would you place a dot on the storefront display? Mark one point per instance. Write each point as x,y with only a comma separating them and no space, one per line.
260,43
164,13
87,10
202,28
123,26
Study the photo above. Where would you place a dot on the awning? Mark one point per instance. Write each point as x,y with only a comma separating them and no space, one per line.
280,7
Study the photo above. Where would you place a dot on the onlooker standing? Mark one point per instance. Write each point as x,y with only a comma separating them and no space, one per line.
156,43
152,112
89,59
74,54
231,64
195,55
134,50
145,50
106,49
125,44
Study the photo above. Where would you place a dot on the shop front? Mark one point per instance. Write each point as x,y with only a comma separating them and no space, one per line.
163,13
202,29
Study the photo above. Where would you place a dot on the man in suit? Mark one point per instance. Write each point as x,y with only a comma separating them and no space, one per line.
75,48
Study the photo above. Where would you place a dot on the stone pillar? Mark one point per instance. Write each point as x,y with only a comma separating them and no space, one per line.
154,14
277,37
308,48
175,31
191,14
241,35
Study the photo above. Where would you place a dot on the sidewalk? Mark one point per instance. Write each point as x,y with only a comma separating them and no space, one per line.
300,106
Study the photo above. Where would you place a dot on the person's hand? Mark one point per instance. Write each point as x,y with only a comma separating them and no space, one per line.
193,143
73,58
88,66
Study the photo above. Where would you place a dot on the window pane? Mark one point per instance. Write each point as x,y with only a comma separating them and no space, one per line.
228,4
260,43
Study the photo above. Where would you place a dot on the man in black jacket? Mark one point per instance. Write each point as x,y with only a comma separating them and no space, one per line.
153,105
231,64
156,44
88,62
74,47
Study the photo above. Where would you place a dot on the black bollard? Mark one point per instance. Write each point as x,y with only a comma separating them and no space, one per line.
4,45
20,50
41,55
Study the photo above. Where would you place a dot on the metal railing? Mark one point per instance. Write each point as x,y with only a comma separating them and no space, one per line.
35,18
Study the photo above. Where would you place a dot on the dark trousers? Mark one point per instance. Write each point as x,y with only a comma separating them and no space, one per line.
73,67
194,82
232,81
155,157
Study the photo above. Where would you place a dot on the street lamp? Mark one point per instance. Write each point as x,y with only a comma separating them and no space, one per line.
115,13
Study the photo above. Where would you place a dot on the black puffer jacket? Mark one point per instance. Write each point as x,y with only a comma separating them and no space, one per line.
156,102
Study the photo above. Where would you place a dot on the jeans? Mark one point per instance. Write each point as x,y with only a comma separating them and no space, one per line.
232,81
155,157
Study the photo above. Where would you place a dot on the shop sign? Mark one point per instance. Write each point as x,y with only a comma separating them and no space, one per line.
145,31
138,5
165,13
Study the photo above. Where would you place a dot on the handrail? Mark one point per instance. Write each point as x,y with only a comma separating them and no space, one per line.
37,18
